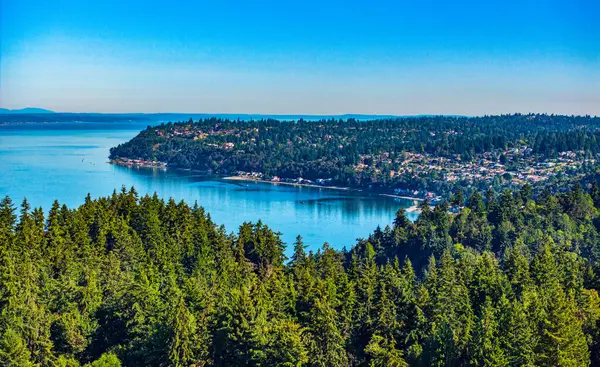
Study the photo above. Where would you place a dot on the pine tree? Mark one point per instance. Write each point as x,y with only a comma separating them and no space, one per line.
281,344
182,341
384,354
516,267
144,282
563,342
13,350
487,349
516,334
7,218
366,287
106,360
326,344
234,337
475,203
451,316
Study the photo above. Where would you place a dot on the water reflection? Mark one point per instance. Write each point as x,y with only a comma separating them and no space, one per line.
66,164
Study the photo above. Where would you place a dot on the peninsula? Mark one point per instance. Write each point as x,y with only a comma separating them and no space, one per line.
423,157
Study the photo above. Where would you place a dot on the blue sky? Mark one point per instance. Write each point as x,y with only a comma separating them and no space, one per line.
301,57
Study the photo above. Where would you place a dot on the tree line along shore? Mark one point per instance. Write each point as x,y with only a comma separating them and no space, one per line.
425,157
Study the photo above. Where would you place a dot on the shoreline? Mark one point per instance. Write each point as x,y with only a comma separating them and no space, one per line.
402,197
241,178
411,209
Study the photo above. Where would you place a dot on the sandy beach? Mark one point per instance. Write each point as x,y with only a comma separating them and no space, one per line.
243,178
402,197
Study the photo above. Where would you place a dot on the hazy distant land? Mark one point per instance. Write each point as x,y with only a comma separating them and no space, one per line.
36,115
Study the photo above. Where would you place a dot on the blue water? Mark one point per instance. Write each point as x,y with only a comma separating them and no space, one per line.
44,162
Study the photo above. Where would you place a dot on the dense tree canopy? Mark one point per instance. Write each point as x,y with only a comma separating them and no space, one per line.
129,281
366,154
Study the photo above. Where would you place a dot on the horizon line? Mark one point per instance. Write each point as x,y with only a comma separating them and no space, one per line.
50,112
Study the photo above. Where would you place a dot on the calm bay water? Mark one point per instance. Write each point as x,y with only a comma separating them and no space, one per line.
44,162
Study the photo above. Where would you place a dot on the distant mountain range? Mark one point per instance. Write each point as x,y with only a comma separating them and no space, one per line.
25,110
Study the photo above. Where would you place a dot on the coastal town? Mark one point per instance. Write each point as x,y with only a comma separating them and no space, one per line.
127,162
516,166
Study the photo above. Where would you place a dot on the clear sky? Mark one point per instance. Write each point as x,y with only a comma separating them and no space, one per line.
301,57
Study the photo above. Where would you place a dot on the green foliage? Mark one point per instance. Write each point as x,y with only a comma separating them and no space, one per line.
106,360
13,350
132,281
364,154
383,354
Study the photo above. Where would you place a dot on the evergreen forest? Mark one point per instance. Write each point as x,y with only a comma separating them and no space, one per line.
428,153
126,280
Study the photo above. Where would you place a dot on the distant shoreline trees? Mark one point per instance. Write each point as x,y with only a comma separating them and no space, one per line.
424,153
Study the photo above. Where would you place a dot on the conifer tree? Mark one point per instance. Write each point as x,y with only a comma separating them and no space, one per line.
122,280
13,350
325,340
487,349
182,341
384,354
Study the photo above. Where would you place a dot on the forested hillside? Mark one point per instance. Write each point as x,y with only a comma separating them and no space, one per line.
131,281
435,153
